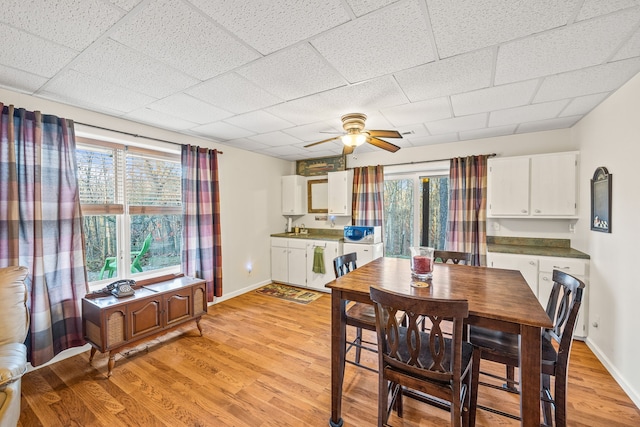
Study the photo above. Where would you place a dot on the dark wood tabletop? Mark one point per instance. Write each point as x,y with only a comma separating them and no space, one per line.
498,298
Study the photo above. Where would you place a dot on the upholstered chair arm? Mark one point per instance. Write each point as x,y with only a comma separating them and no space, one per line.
13,363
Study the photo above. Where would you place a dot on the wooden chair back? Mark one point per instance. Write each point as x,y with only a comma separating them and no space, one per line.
345,263
453,256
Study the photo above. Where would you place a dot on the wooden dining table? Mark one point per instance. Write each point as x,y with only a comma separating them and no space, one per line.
498,299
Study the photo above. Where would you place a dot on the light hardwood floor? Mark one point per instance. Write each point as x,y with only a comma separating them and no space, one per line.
264,362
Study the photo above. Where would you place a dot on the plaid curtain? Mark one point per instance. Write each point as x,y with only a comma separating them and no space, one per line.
368,192
41,226
201,242
467,220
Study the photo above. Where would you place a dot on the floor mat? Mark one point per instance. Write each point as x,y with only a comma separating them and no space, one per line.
289,293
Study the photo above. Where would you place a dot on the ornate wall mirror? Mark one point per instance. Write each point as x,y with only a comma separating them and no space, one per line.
318,196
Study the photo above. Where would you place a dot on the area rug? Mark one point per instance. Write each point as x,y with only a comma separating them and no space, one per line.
289,293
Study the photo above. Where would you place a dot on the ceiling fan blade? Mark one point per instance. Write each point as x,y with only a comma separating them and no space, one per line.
383,144
348,149
323,141
384,133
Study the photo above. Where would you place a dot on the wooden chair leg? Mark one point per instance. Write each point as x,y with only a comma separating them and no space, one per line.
511,375
546,396
474,383
359,342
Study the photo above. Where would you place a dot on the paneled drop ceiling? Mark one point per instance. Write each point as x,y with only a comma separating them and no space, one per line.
272,76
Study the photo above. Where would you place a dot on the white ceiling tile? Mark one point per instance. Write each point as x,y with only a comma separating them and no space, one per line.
576,46
125,4
363,97
189,108
221,131
302,111
275,139
79,89
418,112
315,131
527,113
465,26
160,119
271,25
457,124
27,52
362,7
379,43
233,93
583,104
293,73
437,139
550,124
125,67
20,80
494,98
246,144
259,122
75,24
191,42
488,132
630,49
593,8
602,78
449,76
283,151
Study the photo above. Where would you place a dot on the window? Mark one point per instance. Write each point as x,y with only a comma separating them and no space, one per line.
415,211
132,209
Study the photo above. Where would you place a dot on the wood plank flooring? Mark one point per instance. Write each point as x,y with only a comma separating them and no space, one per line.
265,362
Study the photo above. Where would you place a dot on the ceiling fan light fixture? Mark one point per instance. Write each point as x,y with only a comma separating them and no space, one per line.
354,139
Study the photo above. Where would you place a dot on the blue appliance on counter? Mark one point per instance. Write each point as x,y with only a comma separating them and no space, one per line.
362,234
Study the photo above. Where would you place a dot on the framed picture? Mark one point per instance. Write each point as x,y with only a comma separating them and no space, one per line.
601,200
320,165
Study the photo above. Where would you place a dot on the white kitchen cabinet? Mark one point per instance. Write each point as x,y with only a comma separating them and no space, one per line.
340,189
365,253
288,261
538,186
330,249
508,186
578,268
294,198
526,264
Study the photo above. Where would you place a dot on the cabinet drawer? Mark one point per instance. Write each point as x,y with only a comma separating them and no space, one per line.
280,242
573,266
298,243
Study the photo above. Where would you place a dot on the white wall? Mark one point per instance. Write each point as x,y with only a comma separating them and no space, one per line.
249,189
610,136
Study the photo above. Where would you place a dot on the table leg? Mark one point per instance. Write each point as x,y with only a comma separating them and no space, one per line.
338,336
530,359
92,354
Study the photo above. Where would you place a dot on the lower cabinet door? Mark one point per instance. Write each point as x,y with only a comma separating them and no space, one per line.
144,317
178,306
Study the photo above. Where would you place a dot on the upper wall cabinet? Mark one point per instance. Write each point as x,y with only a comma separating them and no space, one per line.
294,198
540,186
340,192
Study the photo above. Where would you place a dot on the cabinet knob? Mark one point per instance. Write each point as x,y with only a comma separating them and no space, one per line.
538,211
532,263
545,278
523,211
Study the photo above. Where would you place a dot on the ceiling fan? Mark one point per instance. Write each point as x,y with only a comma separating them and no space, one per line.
353,124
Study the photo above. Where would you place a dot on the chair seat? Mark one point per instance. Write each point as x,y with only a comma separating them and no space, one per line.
505,345
362,316
425,355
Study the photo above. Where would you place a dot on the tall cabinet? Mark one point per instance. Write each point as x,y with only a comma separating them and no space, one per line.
294,195
340,192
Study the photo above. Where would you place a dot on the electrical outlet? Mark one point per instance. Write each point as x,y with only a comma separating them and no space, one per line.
572,227
596,322
496,226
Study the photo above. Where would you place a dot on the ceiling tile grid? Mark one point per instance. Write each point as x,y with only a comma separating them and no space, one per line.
274,76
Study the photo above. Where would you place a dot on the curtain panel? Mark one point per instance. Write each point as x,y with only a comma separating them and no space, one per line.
41,225
467,220
201,245
368,193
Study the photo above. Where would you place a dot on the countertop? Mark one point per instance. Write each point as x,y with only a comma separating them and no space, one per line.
315,234
534,246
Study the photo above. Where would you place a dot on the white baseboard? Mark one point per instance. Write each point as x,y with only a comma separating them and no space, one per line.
239,292
631,392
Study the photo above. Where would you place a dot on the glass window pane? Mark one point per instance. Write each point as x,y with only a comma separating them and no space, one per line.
398,217
435,206
155,242
101,246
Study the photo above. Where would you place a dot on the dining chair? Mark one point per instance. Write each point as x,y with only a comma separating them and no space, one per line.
419,364
359,315
562,308
453,256
110,266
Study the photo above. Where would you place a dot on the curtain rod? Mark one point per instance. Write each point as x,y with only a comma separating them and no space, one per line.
435,160
133,134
